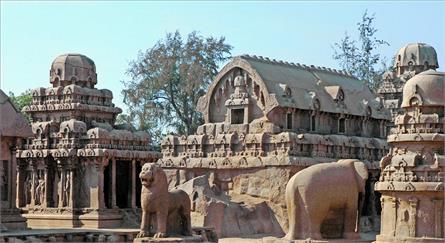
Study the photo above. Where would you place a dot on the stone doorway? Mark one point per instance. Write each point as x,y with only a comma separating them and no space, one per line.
123,182
107,185
138,185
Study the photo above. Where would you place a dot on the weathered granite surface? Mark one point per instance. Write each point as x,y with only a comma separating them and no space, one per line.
412,177
14,128
265,120
410,60
80,168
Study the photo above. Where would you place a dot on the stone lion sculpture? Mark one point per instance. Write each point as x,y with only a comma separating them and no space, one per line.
171,209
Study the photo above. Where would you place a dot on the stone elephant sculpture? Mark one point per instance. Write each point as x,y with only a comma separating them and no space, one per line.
313,192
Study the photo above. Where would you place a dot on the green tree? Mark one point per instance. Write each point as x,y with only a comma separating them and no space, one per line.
168,79
360,57
22,100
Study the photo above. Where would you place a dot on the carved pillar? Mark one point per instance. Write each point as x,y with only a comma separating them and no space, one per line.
46,193
33,183
62,182
113,183
393,202
438,217
21,174
133,183
412,216
97,199
69,186
101,169
11,179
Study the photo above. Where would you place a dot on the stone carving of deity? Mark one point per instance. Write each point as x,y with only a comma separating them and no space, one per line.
66,190
28,189
40,192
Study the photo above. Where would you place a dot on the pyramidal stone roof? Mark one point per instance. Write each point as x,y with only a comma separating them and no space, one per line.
12,122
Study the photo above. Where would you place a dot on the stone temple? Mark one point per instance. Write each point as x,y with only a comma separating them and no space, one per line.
412,178
80,169
14,128
265,120
277,139
410,60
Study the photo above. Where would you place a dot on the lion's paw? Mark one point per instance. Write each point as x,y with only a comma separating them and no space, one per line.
160,235
142,234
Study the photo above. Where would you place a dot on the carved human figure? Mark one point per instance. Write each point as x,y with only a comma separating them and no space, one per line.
313,192
27,192
156,199
40,192
66,190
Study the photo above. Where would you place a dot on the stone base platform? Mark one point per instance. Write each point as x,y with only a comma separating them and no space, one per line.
279,240
65,219
11,219
99,235
385,239
183,239
69,235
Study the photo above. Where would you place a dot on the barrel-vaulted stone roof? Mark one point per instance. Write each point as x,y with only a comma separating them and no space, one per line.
304,87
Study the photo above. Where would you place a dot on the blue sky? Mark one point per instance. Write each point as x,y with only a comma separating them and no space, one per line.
112,32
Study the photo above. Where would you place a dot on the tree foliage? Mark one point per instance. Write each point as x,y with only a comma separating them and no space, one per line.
168,79
359,57
22,100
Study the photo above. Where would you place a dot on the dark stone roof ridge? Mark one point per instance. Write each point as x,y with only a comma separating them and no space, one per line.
298,65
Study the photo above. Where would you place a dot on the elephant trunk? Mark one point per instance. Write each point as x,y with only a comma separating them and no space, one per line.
361,202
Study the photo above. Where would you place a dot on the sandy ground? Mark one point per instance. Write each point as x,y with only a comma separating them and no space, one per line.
365,237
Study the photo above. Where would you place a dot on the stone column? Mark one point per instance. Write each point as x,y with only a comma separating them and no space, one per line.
47,192
133,183
113,183
97,199
438,217
412,216
101,169
61,193
21,173
70,200
33,184
394,202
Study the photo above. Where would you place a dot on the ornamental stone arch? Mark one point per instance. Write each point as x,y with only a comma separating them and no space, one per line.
221,78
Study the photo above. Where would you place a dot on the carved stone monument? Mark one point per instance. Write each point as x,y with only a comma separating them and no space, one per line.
412,177
171,209
410,60
14,128
323,192
265,120
80,169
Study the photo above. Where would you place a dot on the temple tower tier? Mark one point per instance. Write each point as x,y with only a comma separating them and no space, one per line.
409,61
80,168
412,173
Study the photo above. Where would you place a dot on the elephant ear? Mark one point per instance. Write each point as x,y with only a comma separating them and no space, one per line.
362,171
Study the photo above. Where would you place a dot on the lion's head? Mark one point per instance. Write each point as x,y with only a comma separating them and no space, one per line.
151,173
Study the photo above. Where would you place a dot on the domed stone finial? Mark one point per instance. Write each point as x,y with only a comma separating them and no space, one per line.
73,68
416,57
424,89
